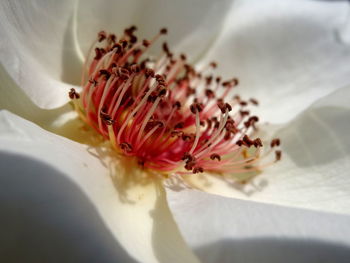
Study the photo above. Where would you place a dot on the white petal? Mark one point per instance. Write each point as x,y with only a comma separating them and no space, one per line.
314,170
224,230
37,49
286,54
193,25
135,214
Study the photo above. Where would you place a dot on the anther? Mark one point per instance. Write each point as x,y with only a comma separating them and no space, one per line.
73,94
198,170
278,155
102,36
126,147
215,156
163,31
275,142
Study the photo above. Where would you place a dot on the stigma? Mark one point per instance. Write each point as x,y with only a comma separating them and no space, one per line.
167,114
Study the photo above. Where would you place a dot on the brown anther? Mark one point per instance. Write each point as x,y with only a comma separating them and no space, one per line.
101,36
93,81
244,113
254,101
209,80
98,53
106,73
218,79
163,31
278,155
133,39
235,81
176,133
188,157
215,156
126,147
73,94
162,92
146,43
183,57
258,143
275,142
213,64
198,170
135,68
188,137
177,105
196,107
123,43
106,118
166,48
112,38
179,125
149,73
228,107
209,93
189,165
243,103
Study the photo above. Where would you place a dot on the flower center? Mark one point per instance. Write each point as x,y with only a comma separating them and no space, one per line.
170,116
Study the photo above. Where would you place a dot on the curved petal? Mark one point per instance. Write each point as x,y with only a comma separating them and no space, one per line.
193,25
37,49
286,54
314,170
135,212
223,229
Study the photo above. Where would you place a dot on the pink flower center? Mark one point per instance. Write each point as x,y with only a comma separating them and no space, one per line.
164,112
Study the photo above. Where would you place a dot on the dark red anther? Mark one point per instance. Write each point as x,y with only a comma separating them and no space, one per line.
244,113
135,68
209,93
149,73
106,118
209,80
218,79
189,165
215,156
254,101
162,92
247,142
188,157
166,48
146,43
112,38
177,105
183,57
73,94
235,81
258,143
123,43
126,147
189,137
163,31
243,103
228,107
98,53
106,73
198,170
278,155
213,64
275,142
101,36
179,125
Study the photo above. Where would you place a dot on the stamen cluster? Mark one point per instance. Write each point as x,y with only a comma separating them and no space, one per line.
164,112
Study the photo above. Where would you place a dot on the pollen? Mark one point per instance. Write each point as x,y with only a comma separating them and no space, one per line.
167,114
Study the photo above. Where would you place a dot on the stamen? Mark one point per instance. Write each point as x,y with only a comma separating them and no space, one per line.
170,116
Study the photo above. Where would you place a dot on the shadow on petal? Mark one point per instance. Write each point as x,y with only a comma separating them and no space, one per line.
45,217
319,136
270,250
71,62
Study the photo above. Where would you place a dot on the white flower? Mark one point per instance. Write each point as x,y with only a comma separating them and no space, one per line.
58,200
